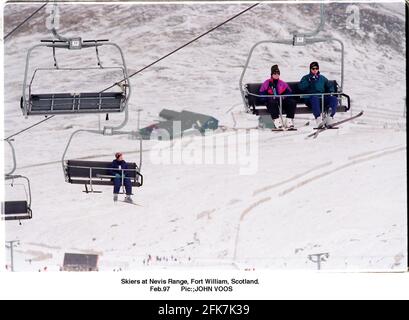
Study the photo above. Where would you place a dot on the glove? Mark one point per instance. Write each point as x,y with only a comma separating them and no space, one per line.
270,91
117,175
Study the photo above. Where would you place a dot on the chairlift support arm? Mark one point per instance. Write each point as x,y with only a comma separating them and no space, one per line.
320,26
13,152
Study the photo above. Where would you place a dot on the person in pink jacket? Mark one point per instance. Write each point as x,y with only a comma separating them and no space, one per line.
275,86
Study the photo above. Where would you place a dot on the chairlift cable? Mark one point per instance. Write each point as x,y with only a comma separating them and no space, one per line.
185,45
35,124
28,18
5,37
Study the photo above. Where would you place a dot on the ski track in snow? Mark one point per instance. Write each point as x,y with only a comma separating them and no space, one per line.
290,179
325,174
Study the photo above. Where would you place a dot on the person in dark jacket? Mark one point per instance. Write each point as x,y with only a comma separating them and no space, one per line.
276,86
315,82
119,170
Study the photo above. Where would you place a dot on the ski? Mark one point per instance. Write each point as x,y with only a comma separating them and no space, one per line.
318,130
336,123
135,204
333,125
289,129
315,133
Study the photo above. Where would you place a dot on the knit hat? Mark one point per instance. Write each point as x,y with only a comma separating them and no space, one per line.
118,154
314,64
274,68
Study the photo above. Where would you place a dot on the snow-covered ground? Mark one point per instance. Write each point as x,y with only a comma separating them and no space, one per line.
343,193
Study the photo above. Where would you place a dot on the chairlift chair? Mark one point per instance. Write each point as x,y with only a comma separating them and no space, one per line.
21,209
55,103
91,173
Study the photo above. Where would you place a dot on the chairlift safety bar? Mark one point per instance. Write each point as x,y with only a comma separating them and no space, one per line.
114,132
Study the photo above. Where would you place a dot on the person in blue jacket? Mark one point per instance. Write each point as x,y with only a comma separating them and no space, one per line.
315,82
119,170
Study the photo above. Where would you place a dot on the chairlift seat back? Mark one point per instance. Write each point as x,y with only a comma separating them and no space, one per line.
16,210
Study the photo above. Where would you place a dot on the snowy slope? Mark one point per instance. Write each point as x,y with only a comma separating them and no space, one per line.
343,193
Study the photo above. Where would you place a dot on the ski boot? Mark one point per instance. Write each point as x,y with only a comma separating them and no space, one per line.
128,199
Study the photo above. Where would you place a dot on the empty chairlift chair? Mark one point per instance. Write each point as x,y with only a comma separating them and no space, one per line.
54,103
17,210
20,209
